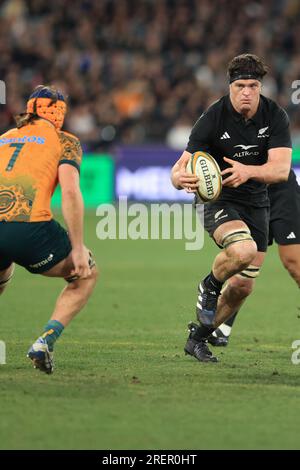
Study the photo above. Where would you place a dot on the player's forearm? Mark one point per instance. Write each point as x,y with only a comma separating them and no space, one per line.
73,212
270,172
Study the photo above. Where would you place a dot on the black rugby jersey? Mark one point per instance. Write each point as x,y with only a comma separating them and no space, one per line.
223,132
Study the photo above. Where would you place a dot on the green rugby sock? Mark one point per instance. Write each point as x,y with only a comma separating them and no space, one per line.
52,330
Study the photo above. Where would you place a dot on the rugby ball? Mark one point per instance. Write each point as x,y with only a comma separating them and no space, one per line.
208,171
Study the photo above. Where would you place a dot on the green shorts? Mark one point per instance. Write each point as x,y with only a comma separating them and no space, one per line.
37,246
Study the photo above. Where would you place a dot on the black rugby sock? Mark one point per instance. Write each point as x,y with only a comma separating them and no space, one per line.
231,320
212,283
201,332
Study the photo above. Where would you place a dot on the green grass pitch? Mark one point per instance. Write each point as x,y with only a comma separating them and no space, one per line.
121,379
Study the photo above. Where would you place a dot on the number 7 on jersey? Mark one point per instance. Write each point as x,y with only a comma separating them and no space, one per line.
14,156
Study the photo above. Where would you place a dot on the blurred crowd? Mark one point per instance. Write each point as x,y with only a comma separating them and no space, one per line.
139,71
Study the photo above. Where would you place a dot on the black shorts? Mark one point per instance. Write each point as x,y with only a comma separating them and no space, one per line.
256,218
37,246
285,213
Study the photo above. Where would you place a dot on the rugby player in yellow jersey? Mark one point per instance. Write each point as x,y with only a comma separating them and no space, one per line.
34,158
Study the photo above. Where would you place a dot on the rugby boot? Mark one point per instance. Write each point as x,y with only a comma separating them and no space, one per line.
41,357
198,348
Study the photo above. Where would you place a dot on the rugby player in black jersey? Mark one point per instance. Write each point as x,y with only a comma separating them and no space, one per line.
248,134
284,229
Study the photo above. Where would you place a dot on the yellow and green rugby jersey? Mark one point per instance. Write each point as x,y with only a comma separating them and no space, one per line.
29,161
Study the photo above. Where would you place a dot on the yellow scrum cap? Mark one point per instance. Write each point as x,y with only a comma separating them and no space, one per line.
48,103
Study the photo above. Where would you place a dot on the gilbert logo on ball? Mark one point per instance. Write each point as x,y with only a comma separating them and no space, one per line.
208,171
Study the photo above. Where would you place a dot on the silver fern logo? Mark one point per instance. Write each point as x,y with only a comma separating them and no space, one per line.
262,132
